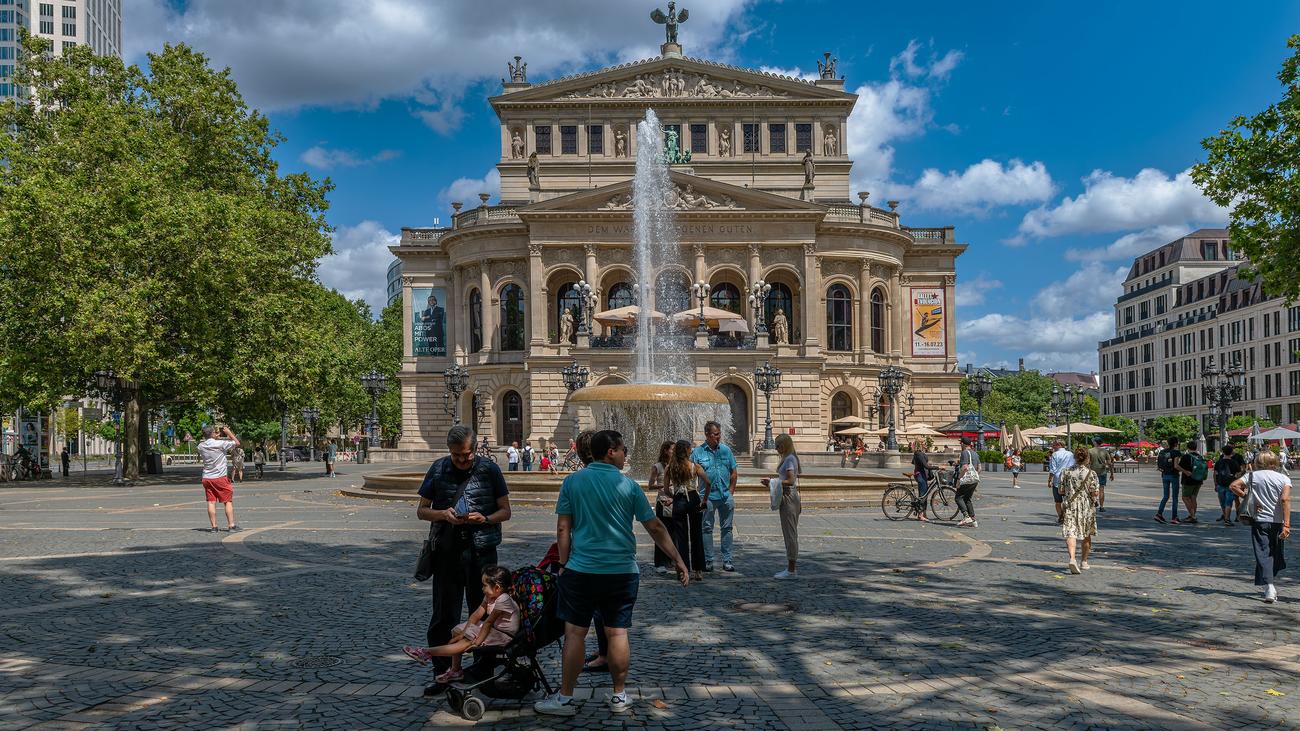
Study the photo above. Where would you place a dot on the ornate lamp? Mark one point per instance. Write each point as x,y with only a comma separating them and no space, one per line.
767,379
1066,403
575,377
310,415
1220,388
979,386
376,385
455,380
892,380
757,301
701,290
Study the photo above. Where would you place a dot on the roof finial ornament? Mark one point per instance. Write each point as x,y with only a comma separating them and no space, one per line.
827,69
669,21
518,71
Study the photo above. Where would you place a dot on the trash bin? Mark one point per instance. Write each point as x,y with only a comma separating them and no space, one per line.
153,465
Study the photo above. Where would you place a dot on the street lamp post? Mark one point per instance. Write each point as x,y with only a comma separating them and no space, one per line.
979,386
575,377
114,389
376,385
456,380
480,409
757,301
701,291
1065,403
1220,387
892,380
767,379
310,415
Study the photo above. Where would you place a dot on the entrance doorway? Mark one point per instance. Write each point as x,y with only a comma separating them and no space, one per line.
740,420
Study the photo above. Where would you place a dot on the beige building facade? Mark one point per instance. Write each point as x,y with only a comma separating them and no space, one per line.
858,290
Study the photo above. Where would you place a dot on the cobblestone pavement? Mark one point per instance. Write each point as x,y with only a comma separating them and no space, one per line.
119,613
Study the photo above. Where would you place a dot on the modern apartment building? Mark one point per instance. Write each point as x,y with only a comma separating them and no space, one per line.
65,23
1182,306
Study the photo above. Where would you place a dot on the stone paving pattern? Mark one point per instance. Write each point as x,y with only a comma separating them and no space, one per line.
119,613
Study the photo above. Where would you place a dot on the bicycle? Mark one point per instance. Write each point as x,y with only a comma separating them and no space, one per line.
900,500
572,462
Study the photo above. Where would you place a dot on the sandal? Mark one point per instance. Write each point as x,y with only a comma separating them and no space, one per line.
589,668
418,654
450,676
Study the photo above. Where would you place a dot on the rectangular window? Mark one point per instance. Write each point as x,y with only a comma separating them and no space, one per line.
1128,315
47,10
543,135
6,16
750,132
1131,354
595,139
47,27
1266,325
1274,413
1292,319
70,29
1160,304
1294,377
6,34
1293,413
69,45
776,137
803,140
1209,250
568,139
69,12
1144,310
1132,403
1148,400
699,139
1131,379
1147,352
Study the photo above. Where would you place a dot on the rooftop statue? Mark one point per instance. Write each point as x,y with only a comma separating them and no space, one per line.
827,69
669,21
518,71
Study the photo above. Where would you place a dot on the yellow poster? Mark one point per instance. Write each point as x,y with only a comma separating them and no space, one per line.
929,333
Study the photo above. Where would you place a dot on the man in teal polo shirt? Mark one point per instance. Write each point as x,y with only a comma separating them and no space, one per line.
599,572
720,465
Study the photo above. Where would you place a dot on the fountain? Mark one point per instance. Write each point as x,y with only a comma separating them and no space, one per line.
662,401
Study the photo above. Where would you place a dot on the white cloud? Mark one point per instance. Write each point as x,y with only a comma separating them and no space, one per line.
326,159
971,292
981,186
358,268
466,190
885,113
292,53
1130,246
1113,203
1065,343
1093,287
795,72
938,67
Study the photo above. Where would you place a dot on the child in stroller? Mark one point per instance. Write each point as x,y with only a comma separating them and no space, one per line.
494,624
512,671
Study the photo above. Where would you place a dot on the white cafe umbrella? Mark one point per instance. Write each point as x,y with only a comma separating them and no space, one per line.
849,420
1275,434
733,326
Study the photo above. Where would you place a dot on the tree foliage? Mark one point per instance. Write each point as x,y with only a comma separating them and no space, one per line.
1242,421
1128,429
1020,398
1182,426
1251,167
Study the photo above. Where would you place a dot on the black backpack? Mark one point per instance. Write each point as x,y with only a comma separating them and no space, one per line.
1166,459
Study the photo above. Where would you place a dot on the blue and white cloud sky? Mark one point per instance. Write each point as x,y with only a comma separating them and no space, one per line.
1055,136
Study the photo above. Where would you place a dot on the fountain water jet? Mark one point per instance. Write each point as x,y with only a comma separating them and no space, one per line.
661,403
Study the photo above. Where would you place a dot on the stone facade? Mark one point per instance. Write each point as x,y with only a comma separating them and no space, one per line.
844,272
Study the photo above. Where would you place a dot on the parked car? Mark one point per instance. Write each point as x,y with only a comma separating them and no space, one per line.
297,453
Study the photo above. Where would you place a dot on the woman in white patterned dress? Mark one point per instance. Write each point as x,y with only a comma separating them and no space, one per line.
1079,489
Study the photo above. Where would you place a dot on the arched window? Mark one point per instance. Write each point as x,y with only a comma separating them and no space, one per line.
622,294
512,317
725,296
512,419
841,406
839,318
672,293
877,320
780,298
475,321
567,299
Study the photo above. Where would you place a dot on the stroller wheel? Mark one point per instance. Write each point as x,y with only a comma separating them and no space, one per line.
455,699
472,708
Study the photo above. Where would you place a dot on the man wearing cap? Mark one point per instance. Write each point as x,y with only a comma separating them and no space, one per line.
1101,462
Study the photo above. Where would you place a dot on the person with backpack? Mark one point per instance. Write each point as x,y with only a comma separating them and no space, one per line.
1226,470
526,456
1103,464
1194,470
1167,462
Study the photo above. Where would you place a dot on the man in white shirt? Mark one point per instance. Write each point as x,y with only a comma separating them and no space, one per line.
216,483
512,457
1061,460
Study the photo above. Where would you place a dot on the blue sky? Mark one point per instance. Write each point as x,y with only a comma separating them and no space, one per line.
1054,136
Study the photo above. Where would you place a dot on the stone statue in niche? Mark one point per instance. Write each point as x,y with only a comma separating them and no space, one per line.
566,326
516,145
830,144
809,169
534,171
724,142
620,143
780,328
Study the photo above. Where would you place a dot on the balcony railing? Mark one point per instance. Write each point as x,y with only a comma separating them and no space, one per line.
849,213
423,236
484,215
727,342
931,235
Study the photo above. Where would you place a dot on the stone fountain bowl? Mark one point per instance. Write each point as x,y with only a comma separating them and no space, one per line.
648,392
649,413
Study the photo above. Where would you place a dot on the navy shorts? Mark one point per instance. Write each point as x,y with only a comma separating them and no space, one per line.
1101,478
613,595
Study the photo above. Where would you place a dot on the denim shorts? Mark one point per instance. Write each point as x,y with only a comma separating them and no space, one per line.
613,595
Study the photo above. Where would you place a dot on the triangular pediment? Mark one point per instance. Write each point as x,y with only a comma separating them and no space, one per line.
690,193
672,80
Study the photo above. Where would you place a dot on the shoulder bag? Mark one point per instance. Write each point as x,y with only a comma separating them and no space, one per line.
424,565
971,475
1249,504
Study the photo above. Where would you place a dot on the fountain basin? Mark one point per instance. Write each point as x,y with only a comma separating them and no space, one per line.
649,392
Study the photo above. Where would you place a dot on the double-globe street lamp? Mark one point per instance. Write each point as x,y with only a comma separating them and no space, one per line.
1066,403
701,291
892,382
376,385
757,301
979,386
1220,388
455,380
115,390
310,415
767,379
575,377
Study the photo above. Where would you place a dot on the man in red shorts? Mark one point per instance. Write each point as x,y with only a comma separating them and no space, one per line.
216,483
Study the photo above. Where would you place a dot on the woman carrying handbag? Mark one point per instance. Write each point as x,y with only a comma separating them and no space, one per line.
968,479
1266,496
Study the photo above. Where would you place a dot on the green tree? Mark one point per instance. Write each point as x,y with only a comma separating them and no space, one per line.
1127,427
1251,167
145,214
1020,398
1182,426
1241,421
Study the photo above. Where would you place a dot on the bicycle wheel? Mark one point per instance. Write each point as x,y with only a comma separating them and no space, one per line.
897,502
943,503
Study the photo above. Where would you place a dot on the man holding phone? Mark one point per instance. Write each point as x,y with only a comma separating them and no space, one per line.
465,498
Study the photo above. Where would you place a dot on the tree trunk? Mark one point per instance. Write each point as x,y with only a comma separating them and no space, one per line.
131,439
142,430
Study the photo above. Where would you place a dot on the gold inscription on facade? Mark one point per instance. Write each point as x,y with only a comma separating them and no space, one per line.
682,229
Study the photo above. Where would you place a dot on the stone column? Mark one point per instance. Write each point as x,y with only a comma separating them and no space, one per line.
701,269
950,316
900,308
408,344
489,307
457,328
755,273
814,309
589,266
537,313
864,287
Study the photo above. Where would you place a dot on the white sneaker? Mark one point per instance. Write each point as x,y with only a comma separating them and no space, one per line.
974,523
1074,567
784,575
620,703
963,522
553,705
1270,594
1084,566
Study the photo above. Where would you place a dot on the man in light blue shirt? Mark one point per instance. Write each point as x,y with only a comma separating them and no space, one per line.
1062,459
599,572
720,465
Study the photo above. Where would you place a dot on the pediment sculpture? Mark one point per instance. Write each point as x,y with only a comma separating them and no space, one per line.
679,197
674,83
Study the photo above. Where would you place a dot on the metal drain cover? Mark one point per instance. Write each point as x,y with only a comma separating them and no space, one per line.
317,661
767,607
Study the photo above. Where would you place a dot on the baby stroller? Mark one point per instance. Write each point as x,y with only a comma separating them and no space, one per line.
512,671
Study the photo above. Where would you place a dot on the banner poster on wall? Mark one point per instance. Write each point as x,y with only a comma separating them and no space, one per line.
429,321
929,333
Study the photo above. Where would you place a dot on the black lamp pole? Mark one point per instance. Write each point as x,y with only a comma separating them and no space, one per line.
767,379
456,380
1220,387
575,377
979,386
310,415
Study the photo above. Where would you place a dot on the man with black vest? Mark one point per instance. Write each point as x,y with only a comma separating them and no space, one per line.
465,498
